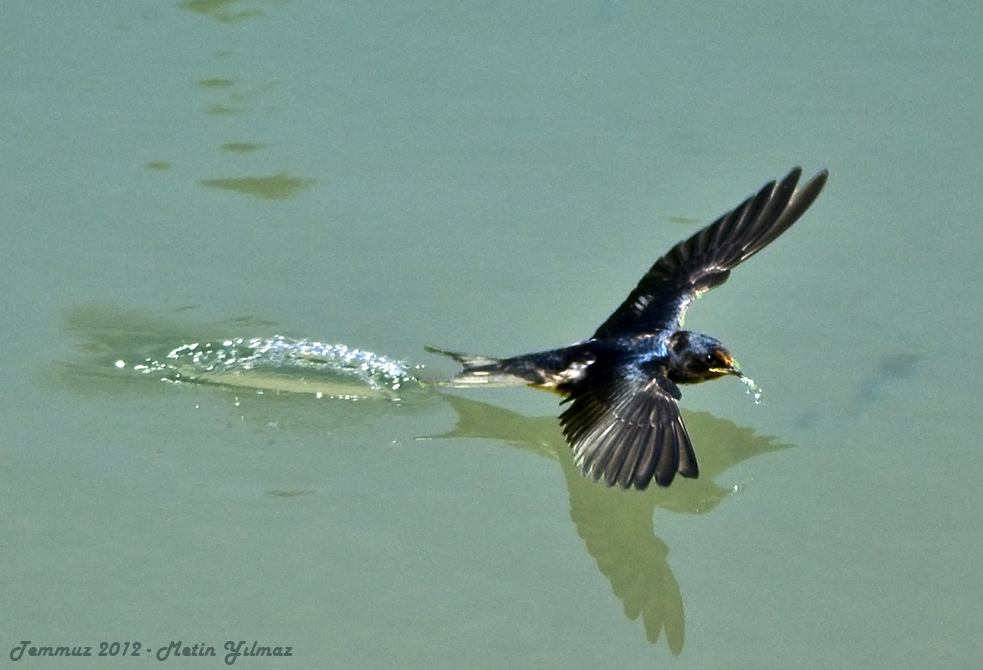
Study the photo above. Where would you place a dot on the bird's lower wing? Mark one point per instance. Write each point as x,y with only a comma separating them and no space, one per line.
628,432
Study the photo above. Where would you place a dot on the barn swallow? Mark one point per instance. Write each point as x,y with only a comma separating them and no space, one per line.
622,421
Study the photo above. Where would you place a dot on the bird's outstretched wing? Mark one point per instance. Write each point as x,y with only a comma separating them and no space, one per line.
705,260
625,427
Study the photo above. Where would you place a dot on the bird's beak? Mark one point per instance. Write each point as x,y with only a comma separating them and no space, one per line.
732,368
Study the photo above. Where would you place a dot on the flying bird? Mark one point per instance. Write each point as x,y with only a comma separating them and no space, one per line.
621,385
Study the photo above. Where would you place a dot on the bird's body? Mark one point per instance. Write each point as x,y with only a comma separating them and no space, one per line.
623,422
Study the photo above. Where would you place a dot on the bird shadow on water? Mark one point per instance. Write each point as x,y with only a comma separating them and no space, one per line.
615,524
276,378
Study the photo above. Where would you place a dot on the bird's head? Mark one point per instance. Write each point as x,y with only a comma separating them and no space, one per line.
695,358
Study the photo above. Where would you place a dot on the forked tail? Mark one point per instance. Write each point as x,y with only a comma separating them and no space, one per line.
478,371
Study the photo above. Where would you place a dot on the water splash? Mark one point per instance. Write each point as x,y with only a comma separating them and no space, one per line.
284,364
752,388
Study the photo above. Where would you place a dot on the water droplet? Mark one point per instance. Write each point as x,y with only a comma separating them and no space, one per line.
752,389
